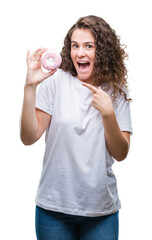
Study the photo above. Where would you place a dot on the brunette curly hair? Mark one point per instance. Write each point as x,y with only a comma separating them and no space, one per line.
110,69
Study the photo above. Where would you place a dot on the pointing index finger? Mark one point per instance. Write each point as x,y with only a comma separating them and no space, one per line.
89,86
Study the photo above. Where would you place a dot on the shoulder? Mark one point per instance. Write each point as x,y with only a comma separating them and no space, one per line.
122,107
121,100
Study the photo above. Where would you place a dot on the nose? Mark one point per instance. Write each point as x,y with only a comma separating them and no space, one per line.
81,52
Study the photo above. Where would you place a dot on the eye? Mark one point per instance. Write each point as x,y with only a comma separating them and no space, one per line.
89,46
74,45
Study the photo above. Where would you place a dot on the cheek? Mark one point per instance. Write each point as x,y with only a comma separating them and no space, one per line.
72,53
92,57
73,58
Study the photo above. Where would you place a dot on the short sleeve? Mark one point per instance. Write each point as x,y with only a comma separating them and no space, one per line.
45,96
123,114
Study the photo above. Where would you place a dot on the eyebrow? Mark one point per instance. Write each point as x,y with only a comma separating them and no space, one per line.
84,42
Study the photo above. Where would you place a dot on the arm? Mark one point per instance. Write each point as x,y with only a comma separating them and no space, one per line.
33,121
116,140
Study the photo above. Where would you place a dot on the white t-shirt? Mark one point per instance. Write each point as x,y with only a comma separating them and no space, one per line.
77,177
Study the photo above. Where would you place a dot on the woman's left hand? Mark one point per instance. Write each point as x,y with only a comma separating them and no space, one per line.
100,100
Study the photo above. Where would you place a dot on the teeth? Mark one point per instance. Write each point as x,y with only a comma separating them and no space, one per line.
82,62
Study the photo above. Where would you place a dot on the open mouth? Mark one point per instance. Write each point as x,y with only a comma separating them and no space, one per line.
83,65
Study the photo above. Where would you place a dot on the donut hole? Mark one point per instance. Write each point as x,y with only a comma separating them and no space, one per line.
50,60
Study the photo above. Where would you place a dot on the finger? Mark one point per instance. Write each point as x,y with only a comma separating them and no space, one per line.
89,86
35,52
39,54
28,56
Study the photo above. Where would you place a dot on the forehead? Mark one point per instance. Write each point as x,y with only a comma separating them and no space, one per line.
84,35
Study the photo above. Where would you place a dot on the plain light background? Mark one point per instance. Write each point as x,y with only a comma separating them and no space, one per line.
32,24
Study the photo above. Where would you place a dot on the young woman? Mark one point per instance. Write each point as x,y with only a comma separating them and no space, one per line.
84,109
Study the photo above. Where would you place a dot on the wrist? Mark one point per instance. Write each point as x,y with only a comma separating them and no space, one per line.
108,113
30,89
29,85
30,80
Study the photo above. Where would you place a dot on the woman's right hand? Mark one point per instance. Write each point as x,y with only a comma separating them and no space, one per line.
35,74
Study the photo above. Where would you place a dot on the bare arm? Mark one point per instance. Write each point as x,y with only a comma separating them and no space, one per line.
33,121
116,140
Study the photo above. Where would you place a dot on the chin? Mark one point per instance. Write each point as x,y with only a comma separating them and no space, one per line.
86,79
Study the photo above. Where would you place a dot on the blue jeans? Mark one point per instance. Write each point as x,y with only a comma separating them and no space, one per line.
52,225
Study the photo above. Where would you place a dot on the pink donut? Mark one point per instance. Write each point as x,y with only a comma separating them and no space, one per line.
51,59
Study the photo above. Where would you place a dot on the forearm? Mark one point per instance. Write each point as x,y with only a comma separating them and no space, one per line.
117,143
29,123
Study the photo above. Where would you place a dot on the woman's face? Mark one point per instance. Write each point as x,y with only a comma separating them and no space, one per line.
83,54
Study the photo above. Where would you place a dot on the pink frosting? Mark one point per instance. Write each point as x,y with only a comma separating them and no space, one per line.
55,61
